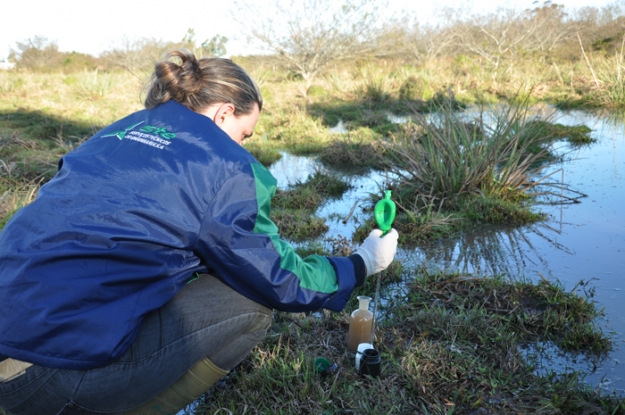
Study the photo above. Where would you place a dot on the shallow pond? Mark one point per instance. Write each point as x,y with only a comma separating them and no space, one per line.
581,242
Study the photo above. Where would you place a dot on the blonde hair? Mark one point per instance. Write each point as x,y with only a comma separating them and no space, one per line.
200,84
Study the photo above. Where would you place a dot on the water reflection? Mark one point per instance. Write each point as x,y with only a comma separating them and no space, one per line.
292,169
491,250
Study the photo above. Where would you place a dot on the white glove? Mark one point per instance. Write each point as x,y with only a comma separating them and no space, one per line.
378,252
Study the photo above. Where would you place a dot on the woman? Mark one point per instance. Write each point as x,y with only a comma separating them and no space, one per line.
147,268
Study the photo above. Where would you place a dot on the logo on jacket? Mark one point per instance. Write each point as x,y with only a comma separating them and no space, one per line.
122,133
151,135
158,131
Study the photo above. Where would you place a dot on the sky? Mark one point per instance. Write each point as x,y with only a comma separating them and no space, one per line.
98,25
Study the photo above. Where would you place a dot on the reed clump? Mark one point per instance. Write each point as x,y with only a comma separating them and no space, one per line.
452,161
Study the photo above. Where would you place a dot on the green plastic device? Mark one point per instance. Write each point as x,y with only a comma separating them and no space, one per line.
384,212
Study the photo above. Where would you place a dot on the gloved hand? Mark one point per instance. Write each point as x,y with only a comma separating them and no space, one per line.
378,252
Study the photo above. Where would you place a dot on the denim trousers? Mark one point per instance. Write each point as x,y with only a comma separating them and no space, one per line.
205,319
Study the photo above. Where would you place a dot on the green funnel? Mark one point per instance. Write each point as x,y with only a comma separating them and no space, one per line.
384,212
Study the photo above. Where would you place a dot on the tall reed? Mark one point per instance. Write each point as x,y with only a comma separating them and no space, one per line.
608,78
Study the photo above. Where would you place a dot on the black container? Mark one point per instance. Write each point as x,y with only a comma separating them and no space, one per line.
370,363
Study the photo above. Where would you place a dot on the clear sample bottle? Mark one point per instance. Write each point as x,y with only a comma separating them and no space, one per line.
360,324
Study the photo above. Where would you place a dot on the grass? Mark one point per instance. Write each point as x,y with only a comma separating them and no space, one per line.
609,77
449,345
575,134
361,94
300,133
13,197
93,86
264,153
33,141
353,155
298,225
416,227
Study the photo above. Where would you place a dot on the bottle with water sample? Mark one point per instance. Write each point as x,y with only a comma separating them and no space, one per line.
360,324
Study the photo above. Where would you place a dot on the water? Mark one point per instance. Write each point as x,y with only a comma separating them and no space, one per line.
582,242
579,242
339,128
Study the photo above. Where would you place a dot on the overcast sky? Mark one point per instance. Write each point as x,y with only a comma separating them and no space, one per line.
97,25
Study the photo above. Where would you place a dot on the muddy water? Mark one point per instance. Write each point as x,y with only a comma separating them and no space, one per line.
581,242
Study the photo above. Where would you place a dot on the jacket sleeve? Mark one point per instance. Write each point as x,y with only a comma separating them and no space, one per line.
241,243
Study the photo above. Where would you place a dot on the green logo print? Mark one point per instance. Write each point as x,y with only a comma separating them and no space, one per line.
122,133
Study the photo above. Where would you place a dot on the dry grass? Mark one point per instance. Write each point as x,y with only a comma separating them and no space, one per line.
14,198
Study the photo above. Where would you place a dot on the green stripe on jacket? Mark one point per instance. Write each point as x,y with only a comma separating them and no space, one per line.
314,272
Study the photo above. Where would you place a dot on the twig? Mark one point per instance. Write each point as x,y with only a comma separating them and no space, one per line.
588,62
351,212
375,307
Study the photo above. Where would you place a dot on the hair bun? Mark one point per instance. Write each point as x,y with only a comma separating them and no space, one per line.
199,83
191,76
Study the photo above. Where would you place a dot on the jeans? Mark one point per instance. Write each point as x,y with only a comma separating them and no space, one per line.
205,319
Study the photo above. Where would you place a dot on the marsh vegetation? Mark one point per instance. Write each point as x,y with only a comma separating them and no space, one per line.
458,118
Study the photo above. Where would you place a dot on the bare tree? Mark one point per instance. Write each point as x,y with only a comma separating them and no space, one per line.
547,26
310,35
138,56
493,37
601,29
507,33
423,41
36,53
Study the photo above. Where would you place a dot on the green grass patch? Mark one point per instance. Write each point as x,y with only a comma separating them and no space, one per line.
311,248
576,134
263,151
428,223
298,225
310,194
353,156
451,345
415,227
298,133
493,210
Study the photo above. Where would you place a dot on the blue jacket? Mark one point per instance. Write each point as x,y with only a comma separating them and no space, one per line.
128,219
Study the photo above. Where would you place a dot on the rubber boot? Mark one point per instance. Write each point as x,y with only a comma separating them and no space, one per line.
198,379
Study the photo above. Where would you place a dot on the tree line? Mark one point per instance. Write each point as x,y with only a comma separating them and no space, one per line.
135,55
308,36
